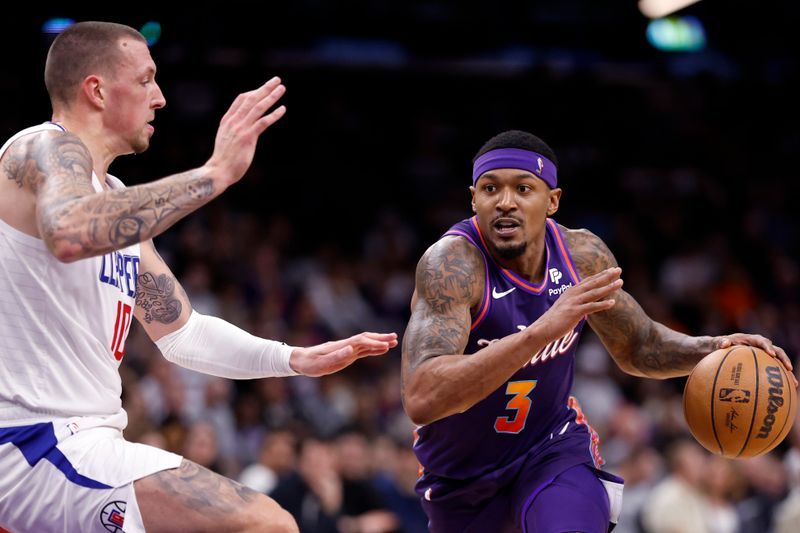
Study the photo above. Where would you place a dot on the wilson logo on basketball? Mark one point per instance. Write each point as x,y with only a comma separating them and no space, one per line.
734,395
775,379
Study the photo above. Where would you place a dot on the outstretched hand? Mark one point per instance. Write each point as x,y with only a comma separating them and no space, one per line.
333,356
758,341
240,127
589,296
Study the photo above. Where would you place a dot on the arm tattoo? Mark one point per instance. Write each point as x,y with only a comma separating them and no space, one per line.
449,283
57,167
637,343
156,296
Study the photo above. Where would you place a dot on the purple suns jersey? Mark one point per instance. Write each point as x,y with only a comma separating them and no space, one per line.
534,403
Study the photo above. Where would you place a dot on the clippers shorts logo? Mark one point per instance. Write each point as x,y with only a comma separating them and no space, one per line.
113,516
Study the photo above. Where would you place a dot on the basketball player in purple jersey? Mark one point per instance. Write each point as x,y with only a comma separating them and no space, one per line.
488,355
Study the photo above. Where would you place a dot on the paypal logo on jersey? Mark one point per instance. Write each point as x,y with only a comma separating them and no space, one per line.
121,271
555,277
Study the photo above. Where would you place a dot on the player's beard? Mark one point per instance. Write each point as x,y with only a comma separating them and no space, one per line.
511,251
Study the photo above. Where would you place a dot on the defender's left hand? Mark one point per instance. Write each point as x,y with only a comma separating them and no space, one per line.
333,356
758,341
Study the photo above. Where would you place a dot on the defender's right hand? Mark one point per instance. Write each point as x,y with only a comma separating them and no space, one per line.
240,128
583,299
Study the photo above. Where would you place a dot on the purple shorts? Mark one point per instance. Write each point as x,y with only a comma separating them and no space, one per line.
552,490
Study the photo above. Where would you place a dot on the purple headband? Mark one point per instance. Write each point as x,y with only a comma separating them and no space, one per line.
534,163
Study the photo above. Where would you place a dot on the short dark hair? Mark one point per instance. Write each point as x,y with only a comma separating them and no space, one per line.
80,50
518,139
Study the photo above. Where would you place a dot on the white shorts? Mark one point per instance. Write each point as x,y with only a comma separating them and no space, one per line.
74,476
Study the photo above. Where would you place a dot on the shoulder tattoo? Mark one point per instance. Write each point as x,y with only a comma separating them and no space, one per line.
589,253
31,159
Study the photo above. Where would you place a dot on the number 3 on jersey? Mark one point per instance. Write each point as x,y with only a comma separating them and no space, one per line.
121,326
520,403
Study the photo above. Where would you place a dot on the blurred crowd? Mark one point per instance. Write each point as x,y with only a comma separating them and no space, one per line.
689,177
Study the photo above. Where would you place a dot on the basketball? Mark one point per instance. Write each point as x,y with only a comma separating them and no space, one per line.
739,402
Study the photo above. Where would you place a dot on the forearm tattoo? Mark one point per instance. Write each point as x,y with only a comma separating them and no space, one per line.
449,281
156,296
58,169
632,338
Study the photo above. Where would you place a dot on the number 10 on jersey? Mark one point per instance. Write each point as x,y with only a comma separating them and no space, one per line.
519,403
121,326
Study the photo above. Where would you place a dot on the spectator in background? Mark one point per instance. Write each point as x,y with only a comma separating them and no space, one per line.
677,503
313,492
363,509
787,514
767,486
397,471
722,487
277,460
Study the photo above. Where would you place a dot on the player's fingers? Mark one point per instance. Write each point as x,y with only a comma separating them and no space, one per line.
780,353
356,342
380,336
267,87
596,307
390,338
373,349
365,344
331,346
761,342
593,295
781,356
268,120
242,99
261,106
243,102
603,277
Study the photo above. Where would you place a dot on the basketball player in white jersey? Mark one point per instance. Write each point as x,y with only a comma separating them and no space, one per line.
77,263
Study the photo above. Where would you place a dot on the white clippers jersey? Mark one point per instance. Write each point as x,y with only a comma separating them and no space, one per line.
62,326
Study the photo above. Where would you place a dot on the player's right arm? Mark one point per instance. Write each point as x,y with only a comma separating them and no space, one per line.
438,379
76,223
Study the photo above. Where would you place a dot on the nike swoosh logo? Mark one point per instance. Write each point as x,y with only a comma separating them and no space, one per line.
497,295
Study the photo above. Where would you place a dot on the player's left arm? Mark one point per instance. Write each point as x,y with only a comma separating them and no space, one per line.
213,346
162,305
639,345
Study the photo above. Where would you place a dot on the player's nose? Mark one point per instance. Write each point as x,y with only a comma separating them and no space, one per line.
158,100
506,200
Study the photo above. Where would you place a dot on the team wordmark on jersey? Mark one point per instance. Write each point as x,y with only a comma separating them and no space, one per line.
550,350
121,271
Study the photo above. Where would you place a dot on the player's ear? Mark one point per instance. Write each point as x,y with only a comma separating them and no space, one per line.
554,199
472,192
93,90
